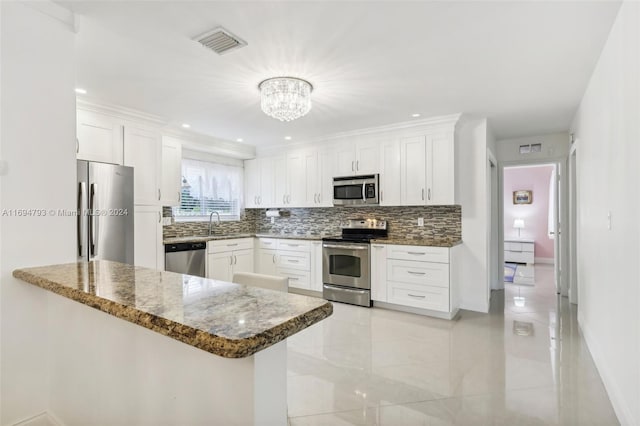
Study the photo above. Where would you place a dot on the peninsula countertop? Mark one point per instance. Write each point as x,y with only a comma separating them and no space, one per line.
225,319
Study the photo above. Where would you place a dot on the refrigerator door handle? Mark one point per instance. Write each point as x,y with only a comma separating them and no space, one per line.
80,224
93,238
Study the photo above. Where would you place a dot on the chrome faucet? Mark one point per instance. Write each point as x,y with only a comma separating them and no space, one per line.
211,218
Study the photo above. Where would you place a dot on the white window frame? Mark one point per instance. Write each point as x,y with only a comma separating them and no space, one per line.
223,216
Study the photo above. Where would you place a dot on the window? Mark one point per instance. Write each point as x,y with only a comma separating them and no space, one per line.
208,187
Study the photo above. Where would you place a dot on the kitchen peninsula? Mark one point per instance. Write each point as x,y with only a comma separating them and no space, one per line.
124,373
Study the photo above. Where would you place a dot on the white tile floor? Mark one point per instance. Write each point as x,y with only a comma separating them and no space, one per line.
379,367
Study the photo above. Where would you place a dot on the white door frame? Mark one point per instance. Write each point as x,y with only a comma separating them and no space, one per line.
495,272
561,167
572,224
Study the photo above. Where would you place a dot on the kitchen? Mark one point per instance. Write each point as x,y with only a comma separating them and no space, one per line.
425,166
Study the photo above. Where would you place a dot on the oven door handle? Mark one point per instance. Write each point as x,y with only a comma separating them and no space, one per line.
346,290
344,247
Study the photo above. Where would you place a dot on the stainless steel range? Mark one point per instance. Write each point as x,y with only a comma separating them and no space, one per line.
346,262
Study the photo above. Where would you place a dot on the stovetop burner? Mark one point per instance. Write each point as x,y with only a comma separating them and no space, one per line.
361,231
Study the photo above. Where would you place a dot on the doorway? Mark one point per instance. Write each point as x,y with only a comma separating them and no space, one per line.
530,225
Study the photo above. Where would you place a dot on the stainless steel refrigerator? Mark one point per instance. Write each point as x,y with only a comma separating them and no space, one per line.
105,212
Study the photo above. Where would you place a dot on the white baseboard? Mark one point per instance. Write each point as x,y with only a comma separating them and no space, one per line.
477,307
545,260
620,407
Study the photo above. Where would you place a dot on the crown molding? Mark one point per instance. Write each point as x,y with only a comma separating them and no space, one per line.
210,145
451,120
120,112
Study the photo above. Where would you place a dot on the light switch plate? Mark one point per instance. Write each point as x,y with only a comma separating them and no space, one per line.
421,221
166,221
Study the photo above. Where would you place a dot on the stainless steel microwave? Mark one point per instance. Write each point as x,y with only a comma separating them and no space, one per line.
356,190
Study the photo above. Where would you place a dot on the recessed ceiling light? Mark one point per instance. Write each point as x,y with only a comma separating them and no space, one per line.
186,126
415,115
81,91
287,138
239,140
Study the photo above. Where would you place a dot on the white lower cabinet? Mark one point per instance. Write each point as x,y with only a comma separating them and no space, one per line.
298,260
379,272
148,250
413,276
226,257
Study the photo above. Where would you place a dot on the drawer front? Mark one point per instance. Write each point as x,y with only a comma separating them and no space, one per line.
294,260
297,245
518,256
419,253
220,246
528,247
511,246
418,273
268,243
297,279
425,297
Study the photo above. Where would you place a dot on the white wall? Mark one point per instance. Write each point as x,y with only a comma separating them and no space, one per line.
607,132
472,193
554,146
37,141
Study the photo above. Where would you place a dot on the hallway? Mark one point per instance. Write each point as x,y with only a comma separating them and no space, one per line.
518,365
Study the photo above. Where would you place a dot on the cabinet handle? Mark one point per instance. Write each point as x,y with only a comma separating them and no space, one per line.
353,166
235,260
284,199
416,273
293,245
289,199
380,196
260,199
422,194
77,145
315,198
159,217
358,165
232,245
293,261
274,258
429,194
416,253
415,295
319,198
377,246
159,194
179,197
230,260
294,278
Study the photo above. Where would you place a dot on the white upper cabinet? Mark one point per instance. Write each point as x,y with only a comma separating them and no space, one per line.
441,180
280,181
259,178
142,151
99,138
171,172
357,158
390,172
311,179
413,178
427,170
251,182
296,179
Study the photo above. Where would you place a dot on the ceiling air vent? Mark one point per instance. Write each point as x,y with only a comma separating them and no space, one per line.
220,40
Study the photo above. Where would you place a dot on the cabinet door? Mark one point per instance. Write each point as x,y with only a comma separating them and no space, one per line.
251,182
242,261
267,262
280,181
311,179
267,182
379,272
390,172
99,138
413,175
142,152
326,163
219,266
316,266
440,170
367,158
345,159
171,172
296,180
148,250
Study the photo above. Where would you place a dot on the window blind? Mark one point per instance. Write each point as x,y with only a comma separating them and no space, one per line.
208,187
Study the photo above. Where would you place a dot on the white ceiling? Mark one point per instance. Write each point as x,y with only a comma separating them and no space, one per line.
524,65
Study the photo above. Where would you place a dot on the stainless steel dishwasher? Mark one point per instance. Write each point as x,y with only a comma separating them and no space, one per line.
185,258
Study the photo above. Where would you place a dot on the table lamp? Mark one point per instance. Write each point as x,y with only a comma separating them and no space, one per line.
518,224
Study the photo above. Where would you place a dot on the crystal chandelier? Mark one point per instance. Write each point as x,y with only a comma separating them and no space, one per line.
285,98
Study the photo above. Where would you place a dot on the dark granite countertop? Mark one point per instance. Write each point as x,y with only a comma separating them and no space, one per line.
225,319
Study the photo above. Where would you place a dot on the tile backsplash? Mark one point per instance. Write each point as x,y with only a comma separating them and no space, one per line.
439,222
